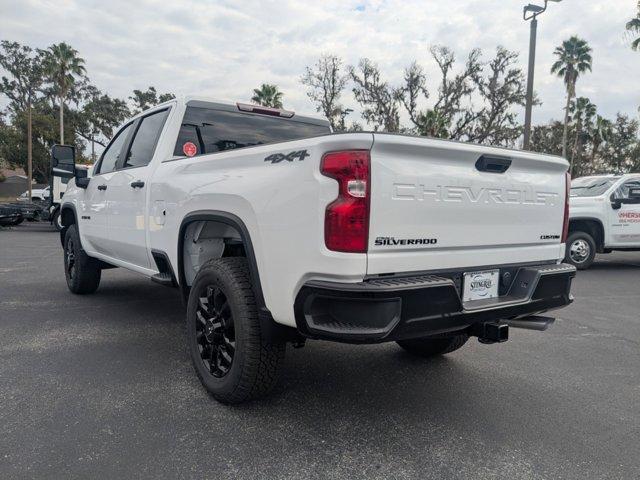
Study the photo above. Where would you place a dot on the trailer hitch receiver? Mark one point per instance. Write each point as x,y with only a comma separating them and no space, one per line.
491,332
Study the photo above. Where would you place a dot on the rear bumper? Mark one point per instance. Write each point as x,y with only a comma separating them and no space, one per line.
402,307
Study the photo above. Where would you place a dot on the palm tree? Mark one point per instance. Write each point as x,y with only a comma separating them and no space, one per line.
600,133
633,25
574,58
268,96
64,68
583,112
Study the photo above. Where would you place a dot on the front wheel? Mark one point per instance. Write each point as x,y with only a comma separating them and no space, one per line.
233,358
81,271
430,347
580,250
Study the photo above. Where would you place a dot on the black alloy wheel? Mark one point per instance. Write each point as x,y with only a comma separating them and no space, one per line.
215,331
70,258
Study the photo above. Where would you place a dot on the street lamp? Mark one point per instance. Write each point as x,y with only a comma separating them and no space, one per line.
531,12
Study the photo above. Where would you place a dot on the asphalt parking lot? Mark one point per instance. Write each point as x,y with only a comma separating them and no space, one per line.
102,386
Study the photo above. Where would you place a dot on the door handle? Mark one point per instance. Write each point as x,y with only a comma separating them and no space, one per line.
102,187
137,184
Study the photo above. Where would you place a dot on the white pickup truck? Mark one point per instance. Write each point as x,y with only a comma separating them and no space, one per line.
604,216
275,230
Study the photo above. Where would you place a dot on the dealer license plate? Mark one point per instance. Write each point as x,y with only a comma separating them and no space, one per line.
480,285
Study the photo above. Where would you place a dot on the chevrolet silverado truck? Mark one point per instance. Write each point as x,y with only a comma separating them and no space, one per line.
276,230
604,215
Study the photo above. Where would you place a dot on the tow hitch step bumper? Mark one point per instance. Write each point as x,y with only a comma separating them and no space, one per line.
403,307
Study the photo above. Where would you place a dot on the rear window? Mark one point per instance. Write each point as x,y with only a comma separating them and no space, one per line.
590,186
213,131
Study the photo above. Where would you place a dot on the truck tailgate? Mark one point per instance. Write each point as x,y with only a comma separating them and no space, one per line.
444,205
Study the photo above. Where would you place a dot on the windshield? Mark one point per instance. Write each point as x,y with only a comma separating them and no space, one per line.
591,186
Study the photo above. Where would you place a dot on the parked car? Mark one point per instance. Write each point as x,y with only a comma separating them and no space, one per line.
275,230
37,194
10,216
604,216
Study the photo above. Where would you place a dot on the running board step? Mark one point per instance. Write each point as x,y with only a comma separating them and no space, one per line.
163,278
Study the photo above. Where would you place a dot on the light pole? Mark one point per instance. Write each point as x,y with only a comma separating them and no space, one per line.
531,12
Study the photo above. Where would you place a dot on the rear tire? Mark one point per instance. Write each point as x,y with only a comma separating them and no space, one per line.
81,271
430,347
580,250
232,356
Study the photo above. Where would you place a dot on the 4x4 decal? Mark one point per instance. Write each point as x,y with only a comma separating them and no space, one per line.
289,157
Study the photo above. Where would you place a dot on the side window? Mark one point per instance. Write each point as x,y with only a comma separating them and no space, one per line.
622,192
144,142
112,153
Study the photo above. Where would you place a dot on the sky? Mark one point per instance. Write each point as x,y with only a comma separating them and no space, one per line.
224,49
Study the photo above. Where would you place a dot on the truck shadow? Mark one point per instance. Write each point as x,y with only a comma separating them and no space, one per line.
608,265
371,398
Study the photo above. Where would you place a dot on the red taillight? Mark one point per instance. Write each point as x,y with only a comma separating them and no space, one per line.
346,220
565,225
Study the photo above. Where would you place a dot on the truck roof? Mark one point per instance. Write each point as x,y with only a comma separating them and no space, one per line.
208,102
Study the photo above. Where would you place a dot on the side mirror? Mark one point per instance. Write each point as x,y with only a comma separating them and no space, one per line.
82,179
63,161
615,202
63,164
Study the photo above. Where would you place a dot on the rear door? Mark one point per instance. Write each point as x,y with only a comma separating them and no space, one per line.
441,205
127,194
93,207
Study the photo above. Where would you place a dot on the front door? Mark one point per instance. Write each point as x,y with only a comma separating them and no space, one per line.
129,192
624,222
93,221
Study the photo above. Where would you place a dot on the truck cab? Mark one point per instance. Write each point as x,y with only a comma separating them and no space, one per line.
604,213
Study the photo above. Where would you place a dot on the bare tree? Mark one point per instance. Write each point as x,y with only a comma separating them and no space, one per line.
379,100
496,87
415,86
455,90
449,116
326,83
500,90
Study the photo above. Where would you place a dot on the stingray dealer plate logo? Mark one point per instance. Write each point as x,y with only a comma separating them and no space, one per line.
480,285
